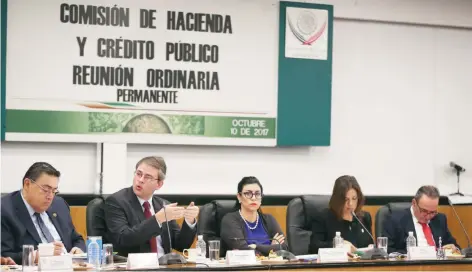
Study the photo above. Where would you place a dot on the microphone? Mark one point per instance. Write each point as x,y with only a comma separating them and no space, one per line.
375,253
457,167
285,254
171,257
467,252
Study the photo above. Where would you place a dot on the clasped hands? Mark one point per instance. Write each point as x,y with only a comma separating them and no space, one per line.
277,240
174,212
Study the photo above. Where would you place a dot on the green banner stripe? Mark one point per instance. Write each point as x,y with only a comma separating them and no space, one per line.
118,104
3,67
66,122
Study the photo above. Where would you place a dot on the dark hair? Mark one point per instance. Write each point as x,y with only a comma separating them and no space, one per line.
38,168
156,162
341,186
246,181
428,190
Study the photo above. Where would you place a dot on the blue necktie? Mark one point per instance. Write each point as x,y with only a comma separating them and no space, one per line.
43,228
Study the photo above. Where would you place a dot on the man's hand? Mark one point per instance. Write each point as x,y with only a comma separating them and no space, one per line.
191,213
7,261
451,247
76,250
58,248
170,212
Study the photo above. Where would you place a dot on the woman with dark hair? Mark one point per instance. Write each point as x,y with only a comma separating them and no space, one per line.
248,227
347,198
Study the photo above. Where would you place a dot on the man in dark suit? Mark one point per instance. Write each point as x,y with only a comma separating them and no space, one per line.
423,219
36,215
135,217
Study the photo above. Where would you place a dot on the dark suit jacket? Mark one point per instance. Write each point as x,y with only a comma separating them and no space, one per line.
326,224
18,227
232,226
130,231
399,223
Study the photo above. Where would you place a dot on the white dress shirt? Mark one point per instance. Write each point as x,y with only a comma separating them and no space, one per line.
420,237
160,249
47,221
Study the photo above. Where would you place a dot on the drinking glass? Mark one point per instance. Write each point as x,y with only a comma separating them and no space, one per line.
214,248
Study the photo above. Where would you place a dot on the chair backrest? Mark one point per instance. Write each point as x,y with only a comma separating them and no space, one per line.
95,218
384,212
209,220
300,213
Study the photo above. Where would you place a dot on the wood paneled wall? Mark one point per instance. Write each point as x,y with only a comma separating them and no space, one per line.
280,212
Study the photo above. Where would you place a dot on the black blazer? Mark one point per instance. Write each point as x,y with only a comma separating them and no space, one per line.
130,231
398,224
18,227
232,226
326,224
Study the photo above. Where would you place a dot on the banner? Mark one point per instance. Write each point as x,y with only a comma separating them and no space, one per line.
167,71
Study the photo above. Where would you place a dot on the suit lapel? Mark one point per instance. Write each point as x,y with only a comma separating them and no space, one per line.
25,218
435,227
135,205
409,225
156,203
53,217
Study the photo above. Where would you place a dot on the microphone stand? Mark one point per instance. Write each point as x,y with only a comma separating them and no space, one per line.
458,182
467,252
171,257
374,253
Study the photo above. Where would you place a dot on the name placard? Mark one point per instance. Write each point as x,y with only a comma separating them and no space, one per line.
56,263
422,253
237,257
333,254
142,261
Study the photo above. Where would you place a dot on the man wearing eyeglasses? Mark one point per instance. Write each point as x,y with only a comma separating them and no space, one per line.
423,219
135,217
35,215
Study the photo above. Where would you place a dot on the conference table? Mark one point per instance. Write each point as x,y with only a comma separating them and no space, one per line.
357,265
382,265
378,265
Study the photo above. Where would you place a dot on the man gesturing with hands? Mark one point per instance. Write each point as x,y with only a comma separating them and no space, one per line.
136,218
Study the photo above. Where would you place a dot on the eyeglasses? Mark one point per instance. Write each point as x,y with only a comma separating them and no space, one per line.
147,178
47,190
426,212
249,195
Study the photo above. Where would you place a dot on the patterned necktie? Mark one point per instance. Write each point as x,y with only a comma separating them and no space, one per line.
147,214
428,234
43,228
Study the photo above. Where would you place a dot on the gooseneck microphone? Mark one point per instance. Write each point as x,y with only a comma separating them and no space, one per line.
457,167
375,253
285,254
368,232
171,257
467,252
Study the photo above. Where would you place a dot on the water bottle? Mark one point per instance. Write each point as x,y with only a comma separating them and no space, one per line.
201,248
410,242
441,252
93,253
338,241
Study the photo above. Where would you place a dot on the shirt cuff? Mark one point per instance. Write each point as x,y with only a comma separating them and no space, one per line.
191,225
